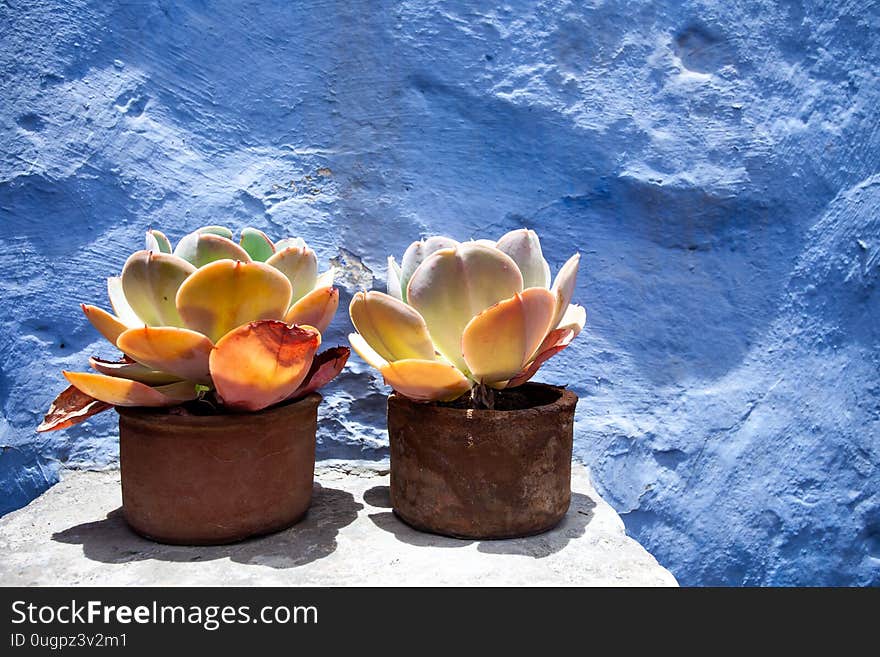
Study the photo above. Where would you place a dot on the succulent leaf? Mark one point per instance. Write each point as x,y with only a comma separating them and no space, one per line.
556,341
416,254
300,266
150,282
69,408
454,285
120,304
178,351
425,380
151,243
324,369
129,369
157,242
563,286
498,342
225,294
203,248
392,280
222,231
393,329
524,247
560,337
290,243
316,309
365,351
107,325
262,363
326,279
257,244
575,317
123,392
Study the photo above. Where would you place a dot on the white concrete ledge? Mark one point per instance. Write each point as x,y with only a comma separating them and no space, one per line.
74,534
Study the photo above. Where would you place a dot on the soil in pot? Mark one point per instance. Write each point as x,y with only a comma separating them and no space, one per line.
202,479
483,474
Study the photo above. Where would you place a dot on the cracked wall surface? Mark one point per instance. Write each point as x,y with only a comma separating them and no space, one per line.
715,163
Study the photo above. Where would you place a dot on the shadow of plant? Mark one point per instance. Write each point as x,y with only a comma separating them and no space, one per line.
314,537
572,527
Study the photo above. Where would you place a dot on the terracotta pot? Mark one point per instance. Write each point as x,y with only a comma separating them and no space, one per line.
205,480
483,474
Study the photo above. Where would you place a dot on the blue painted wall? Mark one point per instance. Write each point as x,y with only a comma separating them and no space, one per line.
715,162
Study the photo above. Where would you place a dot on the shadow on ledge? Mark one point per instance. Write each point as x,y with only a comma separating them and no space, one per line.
314,537
379,496
572,527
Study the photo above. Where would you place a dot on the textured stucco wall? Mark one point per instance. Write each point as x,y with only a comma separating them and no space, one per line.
715,162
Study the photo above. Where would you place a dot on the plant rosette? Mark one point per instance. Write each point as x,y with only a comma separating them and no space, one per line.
476,451
216,386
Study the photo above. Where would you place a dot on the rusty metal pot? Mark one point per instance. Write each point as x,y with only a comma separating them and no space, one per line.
483,474
207,480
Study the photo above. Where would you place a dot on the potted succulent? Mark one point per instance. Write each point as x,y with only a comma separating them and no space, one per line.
216,386
476,451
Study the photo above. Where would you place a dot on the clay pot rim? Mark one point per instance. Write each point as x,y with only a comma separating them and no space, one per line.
151,415
567,400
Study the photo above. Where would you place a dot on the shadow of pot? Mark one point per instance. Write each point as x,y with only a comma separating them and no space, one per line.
213,479
483,474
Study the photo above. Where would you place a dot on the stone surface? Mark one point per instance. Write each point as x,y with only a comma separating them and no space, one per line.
75,534
715,162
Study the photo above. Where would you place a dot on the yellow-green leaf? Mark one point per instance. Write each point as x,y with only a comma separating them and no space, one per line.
120,304
316,309
203,248
392,279
178,351
300,266
157,241
110,326
524,247
257,244
416,254
123,392
393,329
425,380
453,286
365,351
226,294
563,286
128,369
150,282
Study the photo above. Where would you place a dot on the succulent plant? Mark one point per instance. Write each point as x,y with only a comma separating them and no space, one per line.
476,315
236,324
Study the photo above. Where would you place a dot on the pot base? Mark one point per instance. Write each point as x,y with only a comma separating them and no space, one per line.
481,537
480,474
172,540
